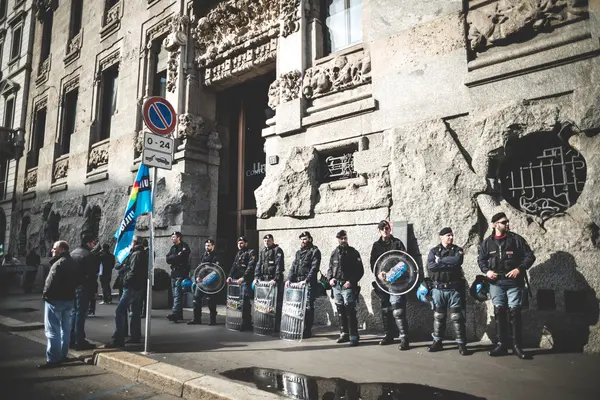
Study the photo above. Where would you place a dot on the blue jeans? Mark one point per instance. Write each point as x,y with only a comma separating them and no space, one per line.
133,298
344,295
177,296
510,297
79,314
57,322
446,298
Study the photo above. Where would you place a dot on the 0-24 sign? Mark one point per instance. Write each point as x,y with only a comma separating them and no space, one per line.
158,143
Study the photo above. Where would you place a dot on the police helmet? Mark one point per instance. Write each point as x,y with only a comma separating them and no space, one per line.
424,291
480,288
186,285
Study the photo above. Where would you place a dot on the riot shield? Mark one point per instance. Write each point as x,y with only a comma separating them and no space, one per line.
209,278
265,308
396,272
292,315
233,317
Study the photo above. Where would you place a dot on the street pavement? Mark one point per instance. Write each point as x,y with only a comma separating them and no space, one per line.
319,368
20,379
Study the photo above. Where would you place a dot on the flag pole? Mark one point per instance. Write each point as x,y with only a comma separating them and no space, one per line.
150,265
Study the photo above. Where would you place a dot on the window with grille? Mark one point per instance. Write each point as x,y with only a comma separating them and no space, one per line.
336,164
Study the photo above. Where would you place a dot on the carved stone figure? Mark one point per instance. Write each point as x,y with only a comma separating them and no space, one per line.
98,157
285,89
335,76
61,167
190,126
138,142
31,179
512,19
274,94
289,20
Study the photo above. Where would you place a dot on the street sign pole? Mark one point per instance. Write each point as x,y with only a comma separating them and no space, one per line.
150,282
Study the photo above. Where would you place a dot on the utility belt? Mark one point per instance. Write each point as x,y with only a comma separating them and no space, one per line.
447,285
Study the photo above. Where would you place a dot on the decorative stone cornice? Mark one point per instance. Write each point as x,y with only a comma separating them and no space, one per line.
43,71
70,85
41,103
338,74
74,47
43,7
98,156
61,168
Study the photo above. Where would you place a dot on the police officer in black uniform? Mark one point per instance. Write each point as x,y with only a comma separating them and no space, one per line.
305,266
242,272
179,260
393,308
209,257
344,273
270,267
444,263
505,258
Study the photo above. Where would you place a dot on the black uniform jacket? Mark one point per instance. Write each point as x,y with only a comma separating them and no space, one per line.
345,264
179,260
504,254
270,264
381,246
243,265
448,268
306,264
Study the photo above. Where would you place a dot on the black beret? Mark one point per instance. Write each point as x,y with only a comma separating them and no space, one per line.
305,234
242,239
382,224
445,231
210,241
268,236
341,234
177,233
498,216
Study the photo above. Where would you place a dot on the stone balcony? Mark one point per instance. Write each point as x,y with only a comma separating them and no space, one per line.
74,47
43,71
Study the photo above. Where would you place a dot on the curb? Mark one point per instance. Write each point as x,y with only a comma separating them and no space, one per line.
14,325
176,381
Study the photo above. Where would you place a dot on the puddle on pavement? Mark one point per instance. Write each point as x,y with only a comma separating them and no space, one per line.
18,310
304,387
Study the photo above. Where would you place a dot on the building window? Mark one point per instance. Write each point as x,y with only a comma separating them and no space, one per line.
46,36
76,17
161,58
69,113
2,9
3,178
108,100
15,48
343,22
37,140
9,112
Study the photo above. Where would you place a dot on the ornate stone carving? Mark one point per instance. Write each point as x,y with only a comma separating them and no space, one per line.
500,23
213,141
159,29
190,126
70,85
61,167
98,156
43,71
41,103
74,46
285,89
337,75
31,179
43,7
113,14
173,42
138,143
289,20
109,61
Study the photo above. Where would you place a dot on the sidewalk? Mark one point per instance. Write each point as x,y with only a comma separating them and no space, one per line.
318,366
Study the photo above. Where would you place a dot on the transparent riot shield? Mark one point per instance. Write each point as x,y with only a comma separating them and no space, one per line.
209,278
396,272
292,315
233,317
265,308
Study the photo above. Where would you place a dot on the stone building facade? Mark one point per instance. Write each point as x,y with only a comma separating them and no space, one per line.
16,34
320,115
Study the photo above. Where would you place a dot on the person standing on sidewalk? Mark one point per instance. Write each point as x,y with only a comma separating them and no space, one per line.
344,273
58,294
179,260
134,282
393,307
108,263
89,265
209,257
242,273
505,257
270,267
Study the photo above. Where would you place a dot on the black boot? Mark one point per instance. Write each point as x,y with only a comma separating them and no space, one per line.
435,346
517,326
388,327
197,320
246,317
352,325
439,329
458,322
502,330
309,317
402,324
212,309
344,335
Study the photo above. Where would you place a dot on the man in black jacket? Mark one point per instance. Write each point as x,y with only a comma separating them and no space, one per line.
108,263
444,263
89,265
305,267
242,272
209,257
393,308
270,267
59,292
134,281
344,273
505,257
179,260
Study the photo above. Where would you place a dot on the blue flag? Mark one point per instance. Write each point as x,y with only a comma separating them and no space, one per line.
140,202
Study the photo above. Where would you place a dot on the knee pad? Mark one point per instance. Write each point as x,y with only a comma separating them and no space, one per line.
439,316
456,317
399,313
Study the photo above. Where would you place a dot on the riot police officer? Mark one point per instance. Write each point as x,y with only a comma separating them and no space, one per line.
209,257
242,272
393,307
270,267
179,260
344,273
505,258
305,266
444,263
